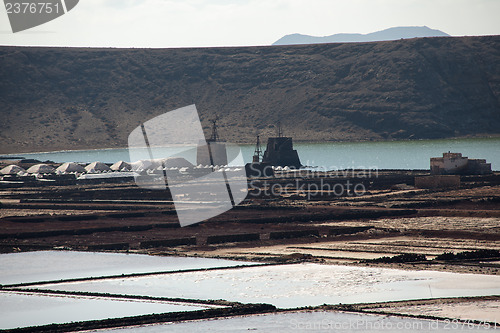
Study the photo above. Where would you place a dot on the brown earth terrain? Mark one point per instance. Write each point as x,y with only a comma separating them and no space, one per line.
393,224
81,98
385,221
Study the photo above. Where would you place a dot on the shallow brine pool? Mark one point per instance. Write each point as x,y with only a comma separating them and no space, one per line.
27,309
55,265
318,321
297,285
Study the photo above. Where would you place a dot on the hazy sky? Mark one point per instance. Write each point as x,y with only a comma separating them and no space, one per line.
191,23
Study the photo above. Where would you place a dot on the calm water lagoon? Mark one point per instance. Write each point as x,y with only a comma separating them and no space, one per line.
27,309
55,265
297,285
286,286
331,155
318,321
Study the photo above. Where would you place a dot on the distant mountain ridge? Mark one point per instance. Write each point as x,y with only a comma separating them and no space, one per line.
378,36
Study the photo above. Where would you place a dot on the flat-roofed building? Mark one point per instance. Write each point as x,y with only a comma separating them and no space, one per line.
455,163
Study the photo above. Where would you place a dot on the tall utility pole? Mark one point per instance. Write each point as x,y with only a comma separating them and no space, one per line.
258,151
280,132
215,135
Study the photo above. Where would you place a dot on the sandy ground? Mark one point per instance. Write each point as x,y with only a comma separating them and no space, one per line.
480,311
365,248
486,309
441,223
6,213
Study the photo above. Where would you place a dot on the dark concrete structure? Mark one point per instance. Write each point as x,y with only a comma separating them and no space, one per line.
438,181
280,152
259,169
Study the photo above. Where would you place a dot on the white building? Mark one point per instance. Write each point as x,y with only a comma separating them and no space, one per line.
455,163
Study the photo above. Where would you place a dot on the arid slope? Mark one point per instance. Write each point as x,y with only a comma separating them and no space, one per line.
75,98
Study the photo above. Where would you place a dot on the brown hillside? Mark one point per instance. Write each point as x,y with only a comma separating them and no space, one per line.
75,98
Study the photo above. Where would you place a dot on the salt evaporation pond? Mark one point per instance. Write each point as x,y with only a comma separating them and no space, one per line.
56,265
318,321
23,309
298,285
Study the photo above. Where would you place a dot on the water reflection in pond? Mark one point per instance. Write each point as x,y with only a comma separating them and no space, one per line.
308,284
320,321
21,309
55,265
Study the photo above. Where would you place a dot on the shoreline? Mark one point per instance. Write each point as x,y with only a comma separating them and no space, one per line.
10,152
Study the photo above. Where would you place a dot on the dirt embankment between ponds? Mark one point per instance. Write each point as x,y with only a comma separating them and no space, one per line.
389,220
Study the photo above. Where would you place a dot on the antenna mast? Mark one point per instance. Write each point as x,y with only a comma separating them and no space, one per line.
280,131
215,135
258,151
